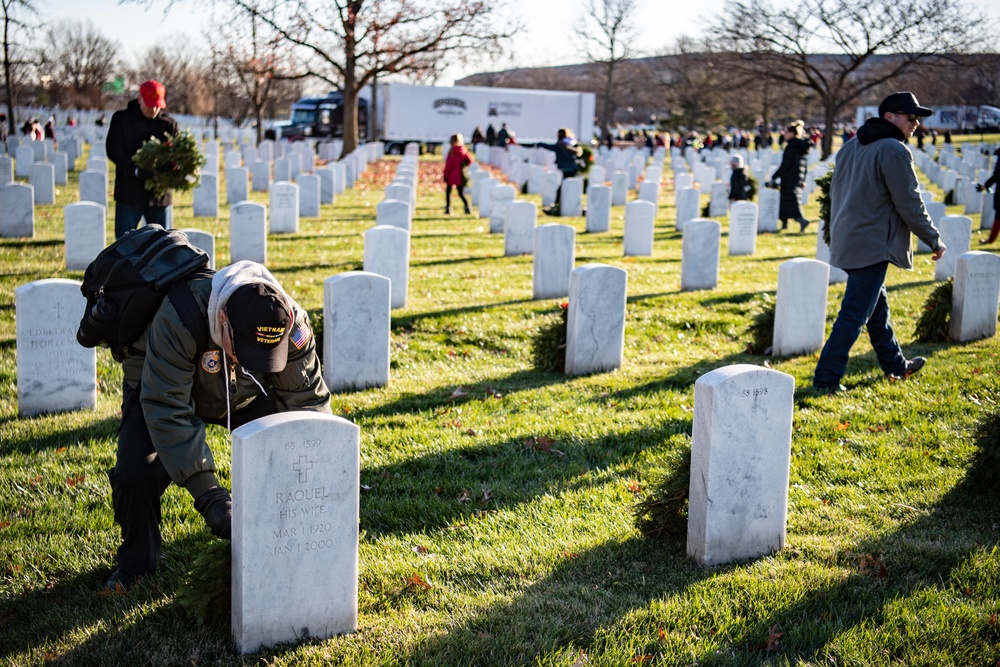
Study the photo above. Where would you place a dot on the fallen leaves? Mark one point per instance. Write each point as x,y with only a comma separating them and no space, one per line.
773,638
73,480
543,443
842,426
873,567
416,581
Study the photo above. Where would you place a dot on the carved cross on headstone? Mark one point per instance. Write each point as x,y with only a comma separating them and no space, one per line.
303,466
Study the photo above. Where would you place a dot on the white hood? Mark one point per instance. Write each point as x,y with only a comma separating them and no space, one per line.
228,280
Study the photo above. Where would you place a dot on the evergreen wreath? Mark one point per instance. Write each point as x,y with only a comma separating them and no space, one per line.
662,512
932,326
823,183
761,329
173,164
549,346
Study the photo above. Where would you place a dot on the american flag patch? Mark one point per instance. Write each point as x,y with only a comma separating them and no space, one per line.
300,336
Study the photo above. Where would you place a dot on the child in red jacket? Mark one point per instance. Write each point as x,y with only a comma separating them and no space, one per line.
454,175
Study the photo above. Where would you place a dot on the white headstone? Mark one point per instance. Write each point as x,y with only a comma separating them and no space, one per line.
598,209
742,228
248,232
719,203
502,196
284,209
688,205
84,233
769,202
597,175
204,240
17,211
550,186
800,307
936,211
485,203
260,176
206,197
740,456
308,195
975,296
54,372
296,486
988,215
237,184
394,213
24,157
619,188
282,170
554,254
387,253
60,163
956,234
6,171
43,180
650,191
94,187
327,185
519,228
823,255
638,238
700,254
595,324
356,331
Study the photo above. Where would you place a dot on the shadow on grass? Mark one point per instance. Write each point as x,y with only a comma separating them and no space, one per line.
27,441
463,484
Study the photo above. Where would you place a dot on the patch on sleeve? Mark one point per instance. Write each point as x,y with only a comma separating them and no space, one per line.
211,362
300,336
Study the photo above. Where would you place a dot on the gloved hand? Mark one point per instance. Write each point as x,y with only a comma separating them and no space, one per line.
216,505
979,187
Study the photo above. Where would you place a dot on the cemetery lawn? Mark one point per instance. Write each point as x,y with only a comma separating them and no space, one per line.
496,510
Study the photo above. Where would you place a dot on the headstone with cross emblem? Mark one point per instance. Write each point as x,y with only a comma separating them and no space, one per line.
54,373
295,529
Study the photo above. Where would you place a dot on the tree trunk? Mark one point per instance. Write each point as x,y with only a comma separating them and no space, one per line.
8,85
350,92
609,87
829,115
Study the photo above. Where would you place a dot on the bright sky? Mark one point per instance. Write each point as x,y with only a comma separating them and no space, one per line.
547,40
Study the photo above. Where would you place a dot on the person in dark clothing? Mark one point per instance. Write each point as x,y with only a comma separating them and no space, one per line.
568,153
791,175
3,127
504,136
50,130
477,136
738,185
130,128
995,181
491,135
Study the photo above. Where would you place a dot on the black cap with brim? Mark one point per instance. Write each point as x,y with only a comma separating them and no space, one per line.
904,102
260,322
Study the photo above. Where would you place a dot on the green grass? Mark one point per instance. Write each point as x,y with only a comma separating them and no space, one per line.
519,489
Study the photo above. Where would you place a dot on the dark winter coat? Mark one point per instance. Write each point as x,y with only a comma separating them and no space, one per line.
457,158
738,185
566,157
129,130
995,180
792,176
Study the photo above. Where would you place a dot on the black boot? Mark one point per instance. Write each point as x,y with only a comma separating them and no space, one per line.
784,225
803,223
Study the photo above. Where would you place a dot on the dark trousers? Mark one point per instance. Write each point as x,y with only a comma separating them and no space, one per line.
864,305
127,216
461,194
139,479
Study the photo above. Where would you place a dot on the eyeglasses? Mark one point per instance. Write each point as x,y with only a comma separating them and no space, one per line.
913,118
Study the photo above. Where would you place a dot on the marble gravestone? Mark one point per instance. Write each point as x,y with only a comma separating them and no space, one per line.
595,324
598,209
84,233
43,180
571,198
619,188
742,228
975,296
24,157
327,185
823,255
638,238
356,331
650,191
387,253
394,213
260,176
800,307
503,196
54,372
296,486
204,240
6,171
936,211
282,170
688,203
17,211
94,187
284,209
519,228
60,164
206,197
554,254
237,185
308,195
719,202
988,214
740,460
248,232
956,234
700,255
768,205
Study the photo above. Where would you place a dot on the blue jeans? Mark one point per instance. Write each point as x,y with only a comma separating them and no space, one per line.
127,216
864,304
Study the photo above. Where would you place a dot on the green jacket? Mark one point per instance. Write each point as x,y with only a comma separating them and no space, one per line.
181,386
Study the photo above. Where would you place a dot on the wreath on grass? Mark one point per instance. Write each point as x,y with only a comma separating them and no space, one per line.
173,163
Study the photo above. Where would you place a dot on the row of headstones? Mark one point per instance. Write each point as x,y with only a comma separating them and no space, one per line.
399,202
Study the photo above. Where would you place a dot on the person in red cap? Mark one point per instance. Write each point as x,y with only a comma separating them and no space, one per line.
131,127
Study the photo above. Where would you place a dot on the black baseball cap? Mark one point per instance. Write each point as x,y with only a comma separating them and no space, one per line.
260,320
905,102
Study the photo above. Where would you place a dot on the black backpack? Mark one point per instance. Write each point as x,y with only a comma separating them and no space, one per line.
125,285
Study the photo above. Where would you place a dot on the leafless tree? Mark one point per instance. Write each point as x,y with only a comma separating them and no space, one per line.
606,29
75,60
827,46
181,70
348,43
19,19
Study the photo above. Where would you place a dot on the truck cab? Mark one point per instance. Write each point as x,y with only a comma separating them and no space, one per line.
322,117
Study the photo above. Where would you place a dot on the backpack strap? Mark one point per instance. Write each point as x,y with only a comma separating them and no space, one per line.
191,315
